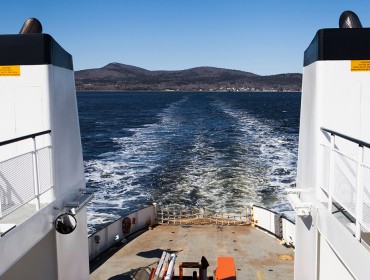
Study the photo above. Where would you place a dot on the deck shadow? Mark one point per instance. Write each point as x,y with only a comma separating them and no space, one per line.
156,253
105,255
123,276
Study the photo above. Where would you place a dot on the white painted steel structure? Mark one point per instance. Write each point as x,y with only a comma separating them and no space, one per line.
274,223
43,98
112,234
331,170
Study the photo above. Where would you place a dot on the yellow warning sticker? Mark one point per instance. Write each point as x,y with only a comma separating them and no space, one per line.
360,65
11,70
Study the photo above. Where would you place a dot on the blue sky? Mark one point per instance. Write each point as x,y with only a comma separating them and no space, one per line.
264,37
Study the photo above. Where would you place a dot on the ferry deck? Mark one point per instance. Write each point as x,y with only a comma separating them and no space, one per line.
256,254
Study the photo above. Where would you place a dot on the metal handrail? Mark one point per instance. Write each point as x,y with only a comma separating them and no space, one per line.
359,185
35,165
349,138
24,137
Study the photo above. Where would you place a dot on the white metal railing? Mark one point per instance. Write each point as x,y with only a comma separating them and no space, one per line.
346,180
25,177
177,215
152,215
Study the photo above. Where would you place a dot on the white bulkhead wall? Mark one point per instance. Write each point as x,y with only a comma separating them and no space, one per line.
67,151
72,251
308,125
336,98
305,254
344,105
43,97
24,109
69,177
28,267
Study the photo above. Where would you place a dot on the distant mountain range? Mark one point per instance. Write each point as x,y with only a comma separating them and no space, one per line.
117,76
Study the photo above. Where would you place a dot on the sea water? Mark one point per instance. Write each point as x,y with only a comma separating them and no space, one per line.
216,150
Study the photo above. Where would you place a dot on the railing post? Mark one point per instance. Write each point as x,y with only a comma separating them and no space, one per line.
1,201
331,172
359,191
36,174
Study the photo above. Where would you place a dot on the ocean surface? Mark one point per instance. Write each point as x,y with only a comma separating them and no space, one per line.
215,150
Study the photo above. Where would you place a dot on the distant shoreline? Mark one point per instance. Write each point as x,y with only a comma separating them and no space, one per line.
121,77
169,92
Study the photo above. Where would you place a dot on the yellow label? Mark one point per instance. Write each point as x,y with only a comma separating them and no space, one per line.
11,70
360,65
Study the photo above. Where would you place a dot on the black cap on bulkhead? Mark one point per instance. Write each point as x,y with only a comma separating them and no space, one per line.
349,42
30,47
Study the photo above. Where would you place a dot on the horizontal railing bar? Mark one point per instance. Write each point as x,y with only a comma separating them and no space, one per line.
354,140
24,137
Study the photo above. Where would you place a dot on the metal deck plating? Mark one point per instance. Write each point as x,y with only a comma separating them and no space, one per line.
255,252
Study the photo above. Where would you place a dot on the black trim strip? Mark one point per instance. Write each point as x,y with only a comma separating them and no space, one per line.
339,44
9,229
33,49
24,137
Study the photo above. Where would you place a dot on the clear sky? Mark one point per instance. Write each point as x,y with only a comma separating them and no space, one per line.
264,37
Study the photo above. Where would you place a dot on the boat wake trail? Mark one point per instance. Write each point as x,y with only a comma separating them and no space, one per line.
271,156
117,177
200,151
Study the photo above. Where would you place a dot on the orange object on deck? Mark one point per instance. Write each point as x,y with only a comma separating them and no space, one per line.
225,268
151,276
